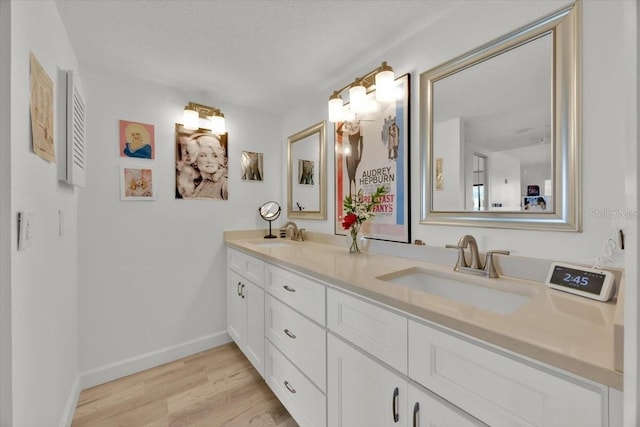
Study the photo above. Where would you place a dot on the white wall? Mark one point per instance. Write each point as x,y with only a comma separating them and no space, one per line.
451,151
629,74
44,276
152,273
6,410
504,186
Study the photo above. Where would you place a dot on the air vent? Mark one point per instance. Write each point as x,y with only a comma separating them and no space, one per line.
76,136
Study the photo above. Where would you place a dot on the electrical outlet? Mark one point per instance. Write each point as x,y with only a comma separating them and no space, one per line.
25,229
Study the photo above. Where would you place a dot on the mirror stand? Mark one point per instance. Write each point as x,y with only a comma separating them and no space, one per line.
270,211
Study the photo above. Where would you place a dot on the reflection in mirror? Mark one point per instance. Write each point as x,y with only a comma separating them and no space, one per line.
307,174
500,131
270,211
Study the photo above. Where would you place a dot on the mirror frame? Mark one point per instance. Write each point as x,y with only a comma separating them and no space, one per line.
565,27
320,129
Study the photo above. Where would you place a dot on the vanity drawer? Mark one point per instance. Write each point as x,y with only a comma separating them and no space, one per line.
302,294
380,332
498,389
246,266
303,400
298,338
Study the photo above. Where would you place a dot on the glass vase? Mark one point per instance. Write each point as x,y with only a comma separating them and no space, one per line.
353,239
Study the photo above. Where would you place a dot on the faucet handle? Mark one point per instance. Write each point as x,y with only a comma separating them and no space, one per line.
489,265
462,261
300,236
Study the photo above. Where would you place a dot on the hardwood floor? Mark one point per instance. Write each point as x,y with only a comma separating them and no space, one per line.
218,387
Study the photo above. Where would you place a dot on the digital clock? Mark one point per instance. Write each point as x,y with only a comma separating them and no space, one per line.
583,281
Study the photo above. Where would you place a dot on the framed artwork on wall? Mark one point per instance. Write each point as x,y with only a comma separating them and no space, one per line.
252,166
372,150
201,165
41,109
137,140
136,183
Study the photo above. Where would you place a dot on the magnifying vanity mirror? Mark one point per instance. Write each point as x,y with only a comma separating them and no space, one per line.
500,131
307,174
270,211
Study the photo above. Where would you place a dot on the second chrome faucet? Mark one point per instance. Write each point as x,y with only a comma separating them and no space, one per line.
474,265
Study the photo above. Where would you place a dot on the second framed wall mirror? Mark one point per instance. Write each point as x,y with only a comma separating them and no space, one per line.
307,173
500,130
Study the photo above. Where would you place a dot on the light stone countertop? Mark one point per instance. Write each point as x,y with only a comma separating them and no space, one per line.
562,330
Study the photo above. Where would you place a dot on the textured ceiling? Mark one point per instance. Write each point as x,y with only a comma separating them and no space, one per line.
261,54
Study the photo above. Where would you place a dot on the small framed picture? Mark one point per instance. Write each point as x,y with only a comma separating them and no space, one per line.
136,183
137,140
251,166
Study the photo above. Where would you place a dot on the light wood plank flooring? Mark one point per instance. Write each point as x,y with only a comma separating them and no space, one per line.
218,387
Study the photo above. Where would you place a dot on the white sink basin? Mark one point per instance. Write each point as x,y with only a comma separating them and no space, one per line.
271,244
487,298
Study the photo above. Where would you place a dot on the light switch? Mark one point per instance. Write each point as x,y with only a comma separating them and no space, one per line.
25,229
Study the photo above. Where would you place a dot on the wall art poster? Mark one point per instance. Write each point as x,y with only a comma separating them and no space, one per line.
41,109
251,166
136,183
201,165
137,140
372,149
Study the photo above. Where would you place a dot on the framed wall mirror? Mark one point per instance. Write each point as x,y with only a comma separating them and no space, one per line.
307,173
500,130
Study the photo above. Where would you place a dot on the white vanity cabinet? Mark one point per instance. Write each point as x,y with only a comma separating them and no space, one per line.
364,392
296,344
462,382
245,305
335,358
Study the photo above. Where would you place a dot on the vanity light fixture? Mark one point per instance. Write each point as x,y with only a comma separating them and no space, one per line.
382,78
198,116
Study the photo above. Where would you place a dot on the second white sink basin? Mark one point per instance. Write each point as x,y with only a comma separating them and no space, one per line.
483,297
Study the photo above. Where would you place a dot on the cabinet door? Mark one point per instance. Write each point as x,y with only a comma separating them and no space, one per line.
428,410
254,308
361,392
235,317
500,390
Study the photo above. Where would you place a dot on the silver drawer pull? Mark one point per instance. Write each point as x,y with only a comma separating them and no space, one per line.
288,288
288,386
290,334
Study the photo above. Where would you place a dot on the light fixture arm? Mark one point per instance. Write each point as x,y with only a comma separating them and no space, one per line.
204,111
368,79
383,74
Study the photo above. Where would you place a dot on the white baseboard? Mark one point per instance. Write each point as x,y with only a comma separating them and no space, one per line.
72,402
149,360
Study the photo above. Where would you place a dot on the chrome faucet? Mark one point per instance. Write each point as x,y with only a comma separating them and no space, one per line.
475,266
296,233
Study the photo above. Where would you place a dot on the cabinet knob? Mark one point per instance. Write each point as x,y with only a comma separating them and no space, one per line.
290,334
288,288
242,290
239,288
416,410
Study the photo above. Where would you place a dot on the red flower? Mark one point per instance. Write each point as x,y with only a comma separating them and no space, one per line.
349,220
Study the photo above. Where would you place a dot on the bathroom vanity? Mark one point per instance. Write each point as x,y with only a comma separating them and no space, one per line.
352,340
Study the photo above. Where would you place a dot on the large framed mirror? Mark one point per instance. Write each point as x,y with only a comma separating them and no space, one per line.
500,131
307,173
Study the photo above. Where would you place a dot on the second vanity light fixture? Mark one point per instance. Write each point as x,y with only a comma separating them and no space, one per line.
384,81
198,116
